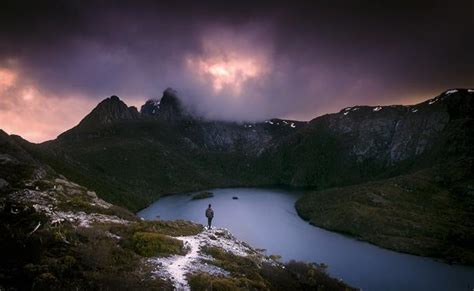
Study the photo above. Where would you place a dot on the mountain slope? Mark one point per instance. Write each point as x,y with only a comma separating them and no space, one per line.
58,235
429,212
363,143
134,159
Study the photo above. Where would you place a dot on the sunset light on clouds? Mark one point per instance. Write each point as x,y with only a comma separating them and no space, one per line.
235,61
25,110
229,60
227,71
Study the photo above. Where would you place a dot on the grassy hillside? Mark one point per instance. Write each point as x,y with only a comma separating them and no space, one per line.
134,163
58,235
429,213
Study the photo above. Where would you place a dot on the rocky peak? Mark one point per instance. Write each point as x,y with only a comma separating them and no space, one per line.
169,107
150,108
109,110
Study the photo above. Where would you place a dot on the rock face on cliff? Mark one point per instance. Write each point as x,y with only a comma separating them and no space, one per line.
168,108
362,143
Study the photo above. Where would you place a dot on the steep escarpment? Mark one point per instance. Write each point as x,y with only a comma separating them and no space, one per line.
362,143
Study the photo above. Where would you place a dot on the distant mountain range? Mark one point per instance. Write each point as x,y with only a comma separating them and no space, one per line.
133,157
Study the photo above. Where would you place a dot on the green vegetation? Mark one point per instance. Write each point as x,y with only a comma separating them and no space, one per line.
170,228
203,195
152,244
427,213
132,164
106,256
83,202
65,257
247,273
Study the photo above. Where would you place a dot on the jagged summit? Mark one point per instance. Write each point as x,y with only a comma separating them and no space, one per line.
169,107
110,110
150,108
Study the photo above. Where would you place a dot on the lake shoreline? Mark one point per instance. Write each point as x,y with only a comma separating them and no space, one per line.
295,238
361,239
347,234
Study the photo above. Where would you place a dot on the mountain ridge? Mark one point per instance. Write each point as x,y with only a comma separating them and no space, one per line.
133,161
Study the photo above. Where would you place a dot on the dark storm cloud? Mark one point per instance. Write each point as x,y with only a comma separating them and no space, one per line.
309,57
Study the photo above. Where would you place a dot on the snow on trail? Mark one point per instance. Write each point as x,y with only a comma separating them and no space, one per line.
177,267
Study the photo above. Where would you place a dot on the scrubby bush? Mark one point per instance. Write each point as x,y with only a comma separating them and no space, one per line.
151,244
171,228
204,281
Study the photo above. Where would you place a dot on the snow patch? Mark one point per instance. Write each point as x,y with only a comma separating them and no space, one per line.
112,235
414,110
293,125
432,101
78,218
378,108
347,112
269,122
177,267
470,90
450,92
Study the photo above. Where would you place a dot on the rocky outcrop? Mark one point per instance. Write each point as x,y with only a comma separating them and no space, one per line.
169,108
108,111
362,142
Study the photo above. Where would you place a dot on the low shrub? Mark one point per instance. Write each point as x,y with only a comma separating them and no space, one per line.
149,244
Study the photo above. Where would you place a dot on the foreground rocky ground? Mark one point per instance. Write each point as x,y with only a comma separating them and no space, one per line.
59,235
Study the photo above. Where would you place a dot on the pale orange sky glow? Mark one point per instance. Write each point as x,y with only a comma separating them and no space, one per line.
38,116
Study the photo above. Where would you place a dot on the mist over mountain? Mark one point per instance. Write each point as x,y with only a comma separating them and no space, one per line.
244,62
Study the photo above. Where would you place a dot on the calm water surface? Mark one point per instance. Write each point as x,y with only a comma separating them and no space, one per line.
266,218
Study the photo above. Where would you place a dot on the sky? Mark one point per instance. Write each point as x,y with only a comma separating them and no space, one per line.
241,60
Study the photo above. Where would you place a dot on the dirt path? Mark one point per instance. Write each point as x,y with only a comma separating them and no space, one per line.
177,267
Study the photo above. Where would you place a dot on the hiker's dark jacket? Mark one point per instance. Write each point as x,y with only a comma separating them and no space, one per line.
209,213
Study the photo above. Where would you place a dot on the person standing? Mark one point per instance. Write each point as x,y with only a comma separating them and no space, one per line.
210,216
